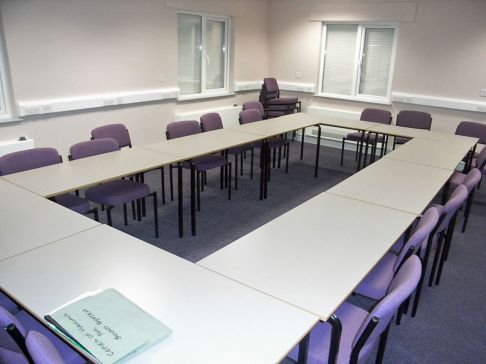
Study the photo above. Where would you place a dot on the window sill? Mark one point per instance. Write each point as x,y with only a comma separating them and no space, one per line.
9,119
371,100
208,95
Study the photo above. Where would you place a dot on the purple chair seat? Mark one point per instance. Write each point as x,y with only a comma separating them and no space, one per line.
206,162
351,318
456,179
378,280
41,349
283,101
73,202
30,323
7,303
117,192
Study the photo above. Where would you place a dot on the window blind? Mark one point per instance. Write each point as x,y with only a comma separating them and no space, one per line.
215,54
189,56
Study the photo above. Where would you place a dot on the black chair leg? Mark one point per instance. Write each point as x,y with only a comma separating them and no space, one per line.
198,190
468,210
236,171
241,165
171,183
279,156
251,164
156,215
342,151
95,213
436,258
108,215
287,159
139,210
229,180
162,179
133,211
381,348
125,214
274,157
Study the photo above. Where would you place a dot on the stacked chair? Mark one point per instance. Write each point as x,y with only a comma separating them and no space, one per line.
273,104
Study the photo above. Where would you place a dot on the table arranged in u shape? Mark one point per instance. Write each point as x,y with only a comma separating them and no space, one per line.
251,301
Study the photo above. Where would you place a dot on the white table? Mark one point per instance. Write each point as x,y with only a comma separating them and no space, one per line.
28,221
396,184
214,319
314,255
430,153
69,176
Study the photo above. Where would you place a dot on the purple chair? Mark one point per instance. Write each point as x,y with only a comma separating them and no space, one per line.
41,349
257,105
471,181
273,104
212,121
42,157
118,192
472,129
372,115
119,132
412,119
445,231
253,115
180,129
362,330
16,351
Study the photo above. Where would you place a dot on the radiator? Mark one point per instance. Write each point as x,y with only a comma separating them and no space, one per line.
9,146
229,115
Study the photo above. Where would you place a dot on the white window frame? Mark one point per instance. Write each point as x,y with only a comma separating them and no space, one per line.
205,93
5,90
355,95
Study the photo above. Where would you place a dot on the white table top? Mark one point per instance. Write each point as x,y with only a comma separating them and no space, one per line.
196,145
424,134
314,255
280,125
396,184
430,153
214,319
28,221
69,176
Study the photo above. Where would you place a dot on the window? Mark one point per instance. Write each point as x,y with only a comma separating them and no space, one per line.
5,100
202,54
357,61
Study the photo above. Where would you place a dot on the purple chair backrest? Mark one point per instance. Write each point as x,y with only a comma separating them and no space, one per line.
472,179
256,105
28,159
178,129
211,121
401,287
271,86
481,159
420,235
119,132
250,116
376,116
455,201
93,147
41,349
414,119
472,129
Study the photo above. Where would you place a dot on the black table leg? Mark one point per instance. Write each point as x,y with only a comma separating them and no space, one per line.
360,153
193,199
318,149
303,349
302,144
180,200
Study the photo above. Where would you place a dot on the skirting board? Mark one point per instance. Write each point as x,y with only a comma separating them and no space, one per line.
46,106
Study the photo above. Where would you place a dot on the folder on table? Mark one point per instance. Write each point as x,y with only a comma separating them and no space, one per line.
108,326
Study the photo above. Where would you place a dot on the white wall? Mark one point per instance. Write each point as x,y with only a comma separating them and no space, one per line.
59,48
441,53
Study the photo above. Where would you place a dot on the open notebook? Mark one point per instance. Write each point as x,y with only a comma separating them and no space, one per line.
108,326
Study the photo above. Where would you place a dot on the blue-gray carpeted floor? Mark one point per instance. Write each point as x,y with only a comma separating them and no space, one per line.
450,326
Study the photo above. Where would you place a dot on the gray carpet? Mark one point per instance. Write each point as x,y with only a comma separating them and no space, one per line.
450,326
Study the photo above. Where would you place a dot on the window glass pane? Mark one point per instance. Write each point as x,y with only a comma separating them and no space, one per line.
376,61
339,60
189,53
215,52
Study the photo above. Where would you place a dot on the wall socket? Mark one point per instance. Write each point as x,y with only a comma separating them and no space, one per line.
161,77
482,92
298,75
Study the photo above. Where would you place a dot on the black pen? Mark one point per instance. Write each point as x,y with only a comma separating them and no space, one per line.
53,322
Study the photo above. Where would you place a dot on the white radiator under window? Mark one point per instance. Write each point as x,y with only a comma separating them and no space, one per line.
10,146
229,115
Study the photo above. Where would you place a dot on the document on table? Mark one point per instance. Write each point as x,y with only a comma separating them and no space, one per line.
108,325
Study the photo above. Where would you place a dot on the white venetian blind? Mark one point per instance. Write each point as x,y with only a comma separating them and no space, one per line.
215,54
339,58
376,61
189,44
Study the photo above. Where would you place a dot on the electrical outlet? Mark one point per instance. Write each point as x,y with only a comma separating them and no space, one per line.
298,75
482,92
161,78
